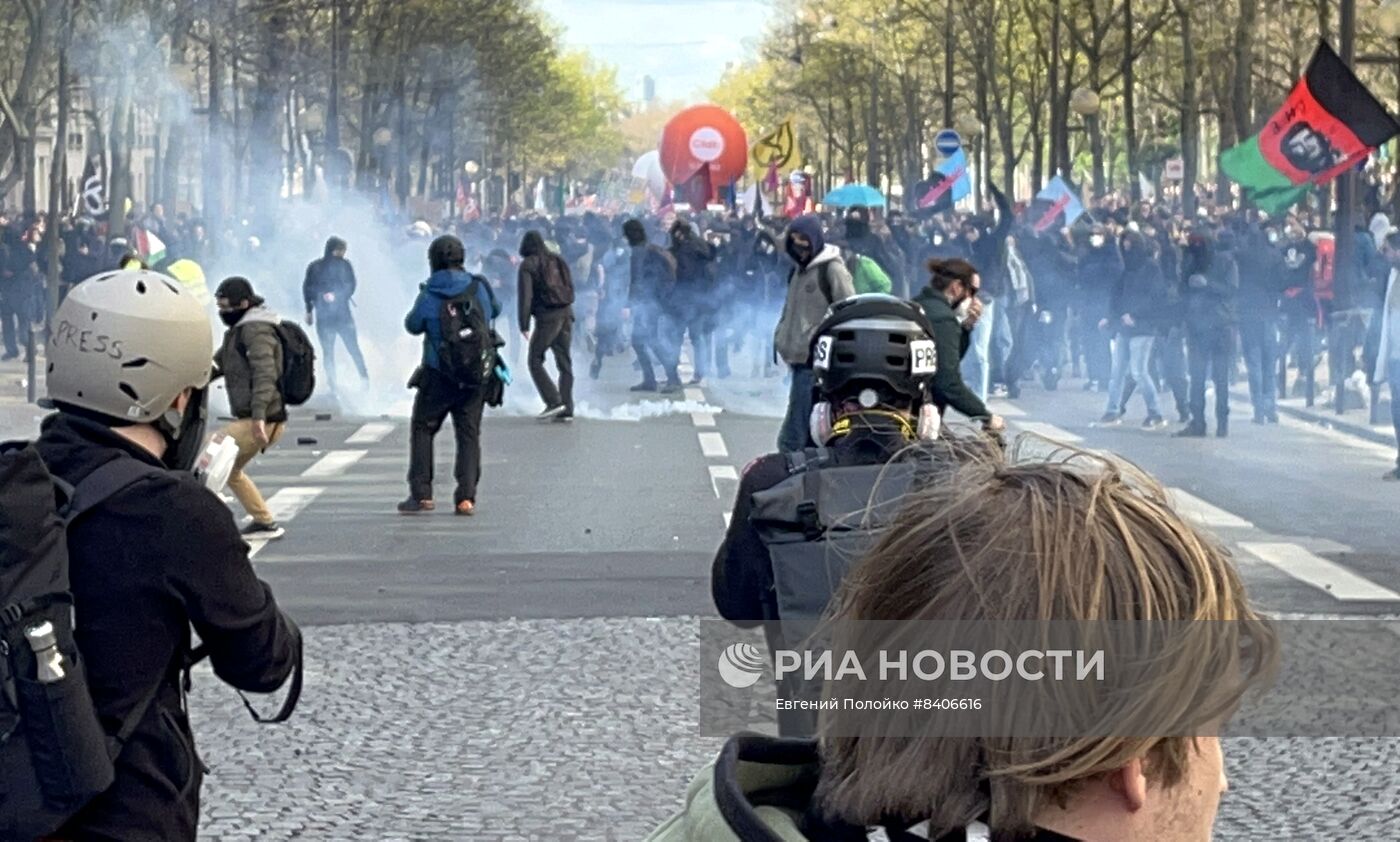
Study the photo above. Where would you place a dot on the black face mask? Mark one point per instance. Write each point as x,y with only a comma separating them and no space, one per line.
183,443
231,317
801,254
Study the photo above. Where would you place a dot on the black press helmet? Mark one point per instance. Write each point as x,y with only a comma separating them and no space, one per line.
878,342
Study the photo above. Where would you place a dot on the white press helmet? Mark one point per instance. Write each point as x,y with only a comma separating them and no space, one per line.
125,344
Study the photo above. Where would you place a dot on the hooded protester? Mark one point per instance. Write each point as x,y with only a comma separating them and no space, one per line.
439,396
1135,308
861,238
1099,264
653,275
818,279
545,294
250,361
1212,282
1261,286
328,291
690,306
985,245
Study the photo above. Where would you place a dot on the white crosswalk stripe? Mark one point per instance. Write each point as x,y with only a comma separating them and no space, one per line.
285,505
1339,582
712,445
1203,513
334,463
371,433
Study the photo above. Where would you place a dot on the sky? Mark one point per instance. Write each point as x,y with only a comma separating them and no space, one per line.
683,44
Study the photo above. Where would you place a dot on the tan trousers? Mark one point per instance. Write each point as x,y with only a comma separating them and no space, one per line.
241,431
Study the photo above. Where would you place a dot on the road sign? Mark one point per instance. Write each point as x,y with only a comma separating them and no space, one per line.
1174,169
947,142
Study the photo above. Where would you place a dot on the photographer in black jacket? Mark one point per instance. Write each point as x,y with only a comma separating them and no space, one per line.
157,559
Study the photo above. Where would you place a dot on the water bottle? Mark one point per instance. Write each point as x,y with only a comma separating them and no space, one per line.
45,645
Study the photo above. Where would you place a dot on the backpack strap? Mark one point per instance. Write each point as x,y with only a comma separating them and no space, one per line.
824,281
109,479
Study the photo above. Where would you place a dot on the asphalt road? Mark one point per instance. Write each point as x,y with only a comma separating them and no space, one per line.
531,672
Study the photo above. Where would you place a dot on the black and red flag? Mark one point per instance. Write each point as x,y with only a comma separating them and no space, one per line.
1329,123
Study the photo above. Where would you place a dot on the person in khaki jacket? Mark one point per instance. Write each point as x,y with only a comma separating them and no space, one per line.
250,361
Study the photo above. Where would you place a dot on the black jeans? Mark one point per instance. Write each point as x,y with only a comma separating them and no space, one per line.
438,398
553,332
1210,352
646,342
326,331
698,324
14,322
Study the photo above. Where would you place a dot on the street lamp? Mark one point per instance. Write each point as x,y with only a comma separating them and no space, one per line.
382,136
471,168
1084,102
968,126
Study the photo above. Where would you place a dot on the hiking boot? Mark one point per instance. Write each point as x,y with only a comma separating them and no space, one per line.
263,531
551,412
466,508
413,506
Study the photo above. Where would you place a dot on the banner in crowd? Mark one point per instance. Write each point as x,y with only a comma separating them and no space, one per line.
949,184
1329,123
1055,202
775,153
94,196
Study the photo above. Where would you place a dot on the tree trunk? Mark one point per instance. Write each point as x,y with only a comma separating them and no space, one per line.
1130,148
1243,87
1057,122
1190,113
214,147
265,131
58,173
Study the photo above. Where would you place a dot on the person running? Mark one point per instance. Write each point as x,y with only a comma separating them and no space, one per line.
157,558
545,296
438,395
250,361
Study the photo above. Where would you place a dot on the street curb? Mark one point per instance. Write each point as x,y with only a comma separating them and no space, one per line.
1330,420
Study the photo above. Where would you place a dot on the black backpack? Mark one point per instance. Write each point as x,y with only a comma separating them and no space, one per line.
298,364
558,290
54,754
298,381
467,348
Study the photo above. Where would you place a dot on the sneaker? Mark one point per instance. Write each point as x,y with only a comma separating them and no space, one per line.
1154,422
413,506
564,417
263,531
1191,431
466,508
550,412
697,380
645,386
671,388
1392,475
1109,419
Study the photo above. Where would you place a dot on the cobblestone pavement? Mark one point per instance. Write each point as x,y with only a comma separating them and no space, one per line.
586,730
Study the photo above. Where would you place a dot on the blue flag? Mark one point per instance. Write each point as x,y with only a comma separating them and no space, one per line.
1054,201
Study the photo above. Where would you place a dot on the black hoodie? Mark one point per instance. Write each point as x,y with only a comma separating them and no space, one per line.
145,566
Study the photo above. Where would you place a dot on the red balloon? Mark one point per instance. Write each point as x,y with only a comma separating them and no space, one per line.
704,135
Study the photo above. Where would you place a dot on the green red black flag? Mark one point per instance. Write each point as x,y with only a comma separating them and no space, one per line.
1329,123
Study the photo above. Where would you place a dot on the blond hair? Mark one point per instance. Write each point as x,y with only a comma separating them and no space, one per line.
1074,537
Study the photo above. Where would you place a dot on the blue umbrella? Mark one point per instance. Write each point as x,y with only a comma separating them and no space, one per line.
850,195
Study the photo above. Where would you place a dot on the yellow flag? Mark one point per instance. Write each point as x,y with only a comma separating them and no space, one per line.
777,149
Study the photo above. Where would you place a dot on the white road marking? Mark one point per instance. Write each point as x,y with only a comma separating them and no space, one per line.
728,516
694,394
712,445
284,505
1325,575
1203,513
719,472
371,433
1049,431
334,463
702,419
